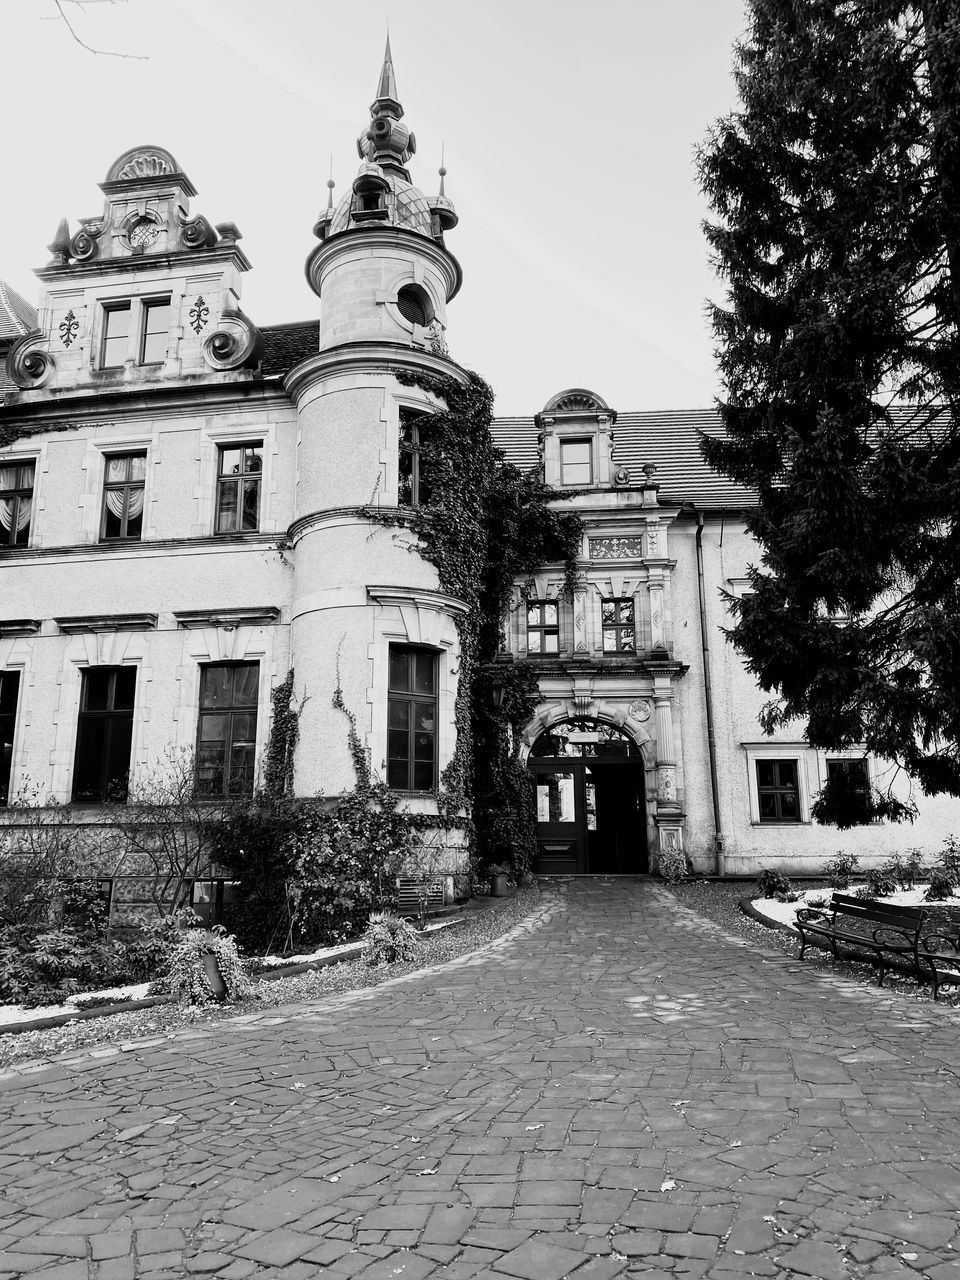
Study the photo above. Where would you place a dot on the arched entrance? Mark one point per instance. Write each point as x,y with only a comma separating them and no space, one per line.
591,813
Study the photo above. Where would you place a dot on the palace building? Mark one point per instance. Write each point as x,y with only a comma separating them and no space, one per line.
185,516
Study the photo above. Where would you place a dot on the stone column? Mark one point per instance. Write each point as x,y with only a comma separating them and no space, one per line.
666,753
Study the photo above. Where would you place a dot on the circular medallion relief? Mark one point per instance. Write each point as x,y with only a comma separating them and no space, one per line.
143,233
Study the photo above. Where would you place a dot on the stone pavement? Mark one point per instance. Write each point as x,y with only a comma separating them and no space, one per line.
615,1088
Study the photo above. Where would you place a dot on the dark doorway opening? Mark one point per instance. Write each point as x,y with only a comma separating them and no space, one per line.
591,814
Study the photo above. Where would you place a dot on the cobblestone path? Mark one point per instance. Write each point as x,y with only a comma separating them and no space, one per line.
615,1088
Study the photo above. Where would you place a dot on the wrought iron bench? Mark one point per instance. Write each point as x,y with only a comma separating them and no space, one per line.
887,935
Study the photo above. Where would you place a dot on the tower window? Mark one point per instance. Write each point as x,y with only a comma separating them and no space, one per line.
369,198
104,734
414,485
412,720
414,305
16,504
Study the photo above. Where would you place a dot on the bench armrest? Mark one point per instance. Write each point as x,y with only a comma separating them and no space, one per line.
952,941
814,915
900,938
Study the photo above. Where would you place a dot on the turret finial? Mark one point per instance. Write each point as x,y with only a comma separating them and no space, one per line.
442,170
330,184
387,88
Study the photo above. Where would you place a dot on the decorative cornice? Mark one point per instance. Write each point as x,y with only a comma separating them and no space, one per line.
229,619
420,597
19,626
96,406
367,357
378,237
185,259
107,622
127,548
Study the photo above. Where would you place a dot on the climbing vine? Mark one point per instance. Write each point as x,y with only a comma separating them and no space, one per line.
485,524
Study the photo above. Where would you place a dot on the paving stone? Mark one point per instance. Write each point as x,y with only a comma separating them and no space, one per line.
533,1261
276,1248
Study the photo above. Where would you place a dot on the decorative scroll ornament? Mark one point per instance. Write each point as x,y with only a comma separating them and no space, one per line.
84,246
581,705
237,344
197,233
616,548
199,314
622,475
28,364
68,328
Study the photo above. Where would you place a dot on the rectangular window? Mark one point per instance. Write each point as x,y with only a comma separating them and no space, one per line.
16,503
9,688
104,734
412,720
238,487
619,629
414,486
155,334
116,336
854,773
227,732
576,463
543,626
123,496
778,791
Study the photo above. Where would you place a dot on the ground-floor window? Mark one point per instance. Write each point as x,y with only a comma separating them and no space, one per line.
9,688
227,732
778,790
104,734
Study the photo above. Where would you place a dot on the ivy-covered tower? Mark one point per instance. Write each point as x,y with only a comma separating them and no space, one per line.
368,616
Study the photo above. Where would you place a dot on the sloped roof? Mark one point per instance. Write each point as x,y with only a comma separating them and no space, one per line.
670,439
17,316
285,345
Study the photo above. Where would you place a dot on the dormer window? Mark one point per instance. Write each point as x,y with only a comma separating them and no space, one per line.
370,197
576,463
137,330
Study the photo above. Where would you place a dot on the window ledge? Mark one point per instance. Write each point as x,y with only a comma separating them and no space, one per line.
255,616
107,622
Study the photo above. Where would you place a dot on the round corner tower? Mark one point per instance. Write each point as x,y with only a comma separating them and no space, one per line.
368,617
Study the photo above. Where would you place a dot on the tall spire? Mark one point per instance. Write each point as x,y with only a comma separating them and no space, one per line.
387,88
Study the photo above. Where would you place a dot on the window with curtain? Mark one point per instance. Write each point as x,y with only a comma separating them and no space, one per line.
227,731
104,734
238,487
123,496
16,503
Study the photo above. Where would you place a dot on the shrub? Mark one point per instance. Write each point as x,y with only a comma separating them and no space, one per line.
773,884
255,840
148,953
941,886
881,881
186,978
949,856
672,866
820,903
906,869
347,861
45,968
840,870
389,938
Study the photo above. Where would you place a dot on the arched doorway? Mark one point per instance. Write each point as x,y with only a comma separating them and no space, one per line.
591,813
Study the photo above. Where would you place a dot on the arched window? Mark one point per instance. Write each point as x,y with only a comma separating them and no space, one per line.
414,305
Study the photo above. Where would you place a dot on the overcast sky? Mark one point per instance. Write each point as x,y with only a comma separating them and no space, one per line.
569,129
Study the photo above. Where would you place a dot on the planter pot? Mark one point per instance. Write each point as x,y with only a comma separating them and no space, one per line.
212,973
499,887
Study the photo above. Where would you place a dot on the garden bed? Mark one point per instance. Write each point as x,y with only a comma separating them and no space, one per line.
482,921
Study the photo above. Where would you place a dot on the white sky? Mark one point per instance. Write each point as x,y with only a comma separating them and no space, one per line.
569,130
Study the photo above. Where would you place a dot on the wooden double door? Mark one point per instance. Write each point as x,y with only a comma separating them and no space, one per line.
591,816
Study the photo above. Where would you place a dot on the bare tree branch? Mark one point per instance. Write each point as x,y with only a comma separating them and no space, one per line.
107,53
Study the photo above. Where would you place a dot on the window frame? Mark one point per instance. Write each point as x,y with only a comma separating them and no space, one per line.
127,486
542,628
9,706
9,538
565,443
413,700
227,789
416,481
778,790
146,306
240,479
111,309
111,718
618,627
137,336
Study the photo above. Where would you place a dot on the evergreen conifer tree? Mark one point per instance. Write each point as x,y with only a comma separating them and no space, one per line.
835,189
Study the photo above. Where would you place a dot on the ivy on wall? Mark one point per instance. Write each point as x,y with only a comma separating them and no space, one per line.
485,524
